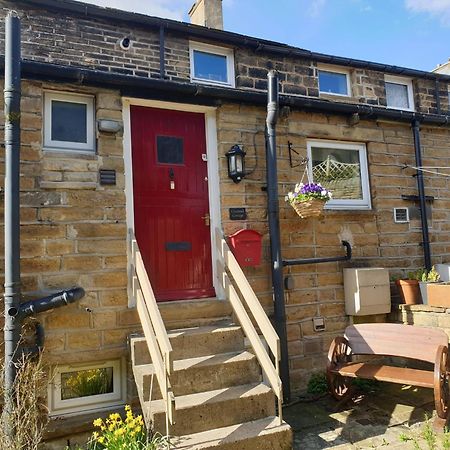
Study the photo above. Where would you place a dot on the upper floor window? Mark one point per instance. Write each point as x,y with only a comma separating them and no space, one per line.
334,82
341,167
211,64
399,92
69,122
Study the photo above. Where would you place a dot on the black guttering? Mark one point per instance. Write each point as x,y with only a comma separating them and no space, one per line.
224,37
202,94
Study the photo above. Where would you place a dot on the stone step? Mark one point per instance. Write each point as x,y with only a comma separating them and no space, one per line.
193,342
197,312
262,434
204,411
204,373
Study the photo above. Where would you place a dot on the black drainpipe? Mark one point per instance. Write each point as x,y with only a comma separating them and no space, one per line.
15,312
12,95
422,201
274,229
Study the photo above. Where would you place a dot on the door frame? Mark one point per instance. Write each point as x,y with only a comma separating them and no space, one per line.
209,113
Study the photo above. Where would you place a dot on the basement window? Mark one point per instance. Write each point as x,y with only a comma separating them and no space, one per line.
334,82
211,64
69,122
399,93
78,388
341,167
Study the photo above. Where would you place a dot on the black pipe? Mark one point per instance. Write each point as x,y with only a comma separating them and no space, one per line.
12,94
422,199
53,301
162,52
143,87
438,96
274,229
298,262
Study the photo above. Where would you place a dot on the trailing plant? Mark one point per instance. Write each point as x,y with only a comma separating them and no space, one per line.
309,191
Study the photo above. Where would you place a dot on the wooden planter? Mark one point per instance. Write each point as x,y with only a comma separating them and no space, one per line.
439,294
309,208
409,291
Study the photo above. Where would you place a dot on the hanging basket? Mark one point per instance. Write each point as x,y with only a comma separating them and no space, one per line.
309,208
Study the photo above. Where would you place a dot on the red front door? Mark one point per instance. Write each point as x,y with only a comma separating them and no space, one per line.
171,208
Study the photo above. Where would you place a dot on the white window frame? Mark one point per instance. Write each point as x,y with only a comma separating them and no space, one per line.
49,143
409,86
60,407
214,50
365,202
340,71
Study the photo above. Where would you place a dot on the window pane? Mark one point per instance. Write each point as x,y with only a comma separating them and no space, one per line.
83,383
338,170
69,122
397,95
169,150
208,66
335,83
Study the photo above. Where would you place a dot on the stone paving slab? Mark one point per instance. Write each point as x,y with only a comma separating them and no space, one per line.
374,420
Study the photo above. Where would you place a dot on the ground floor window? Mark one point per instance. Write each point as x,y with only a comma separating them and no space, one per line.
341,167
75,388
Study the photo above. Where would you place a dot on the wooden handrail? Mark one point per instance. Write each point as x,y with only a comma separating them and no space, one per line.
229,264
155,332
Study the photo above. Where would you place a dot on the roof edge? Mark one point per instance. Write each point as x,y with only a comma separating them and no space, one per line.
226,37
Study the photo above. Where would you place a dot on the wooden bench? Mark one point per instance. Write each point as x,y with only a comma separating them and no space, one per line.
387,339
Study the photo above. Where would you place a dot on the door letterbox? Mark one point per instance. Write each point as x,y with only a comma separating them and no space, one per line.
246,247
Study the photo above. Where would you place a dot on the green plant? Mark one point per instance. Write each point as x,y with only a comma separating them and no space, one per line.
317,384
431,276
416,275
130,433
427,438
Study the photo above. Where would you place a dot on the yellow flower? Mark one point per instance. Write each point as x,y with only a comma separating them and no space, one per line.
97,422
114,416
101,440
138,429
95,435
119,432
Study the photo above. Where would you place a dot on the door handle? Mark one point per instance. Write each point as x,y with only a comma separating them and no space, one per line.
207,219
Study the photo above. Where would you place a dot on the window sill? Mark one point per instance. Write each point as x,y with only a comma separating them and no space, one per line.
78,154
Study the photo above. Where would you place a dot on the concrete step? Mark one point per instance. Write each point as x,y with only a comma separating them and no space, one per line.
214,409
204,373
262,434
196,312
193,342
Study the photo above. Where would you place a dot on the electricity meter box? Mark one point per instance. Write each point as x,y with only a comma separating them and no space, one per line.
367,291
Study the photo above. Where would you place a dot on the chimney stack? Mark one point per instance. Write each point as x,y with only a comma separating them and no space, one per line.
207,13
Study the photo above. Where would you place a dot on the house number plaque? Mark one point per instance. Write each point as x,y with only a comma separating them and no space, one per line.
238,213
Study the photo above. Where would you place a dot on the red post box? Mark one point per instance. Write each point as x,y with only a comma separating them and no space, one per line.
246,246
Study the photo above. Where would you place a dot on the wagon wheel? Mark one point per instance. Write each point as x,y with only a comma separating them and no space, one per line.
441,388
339,353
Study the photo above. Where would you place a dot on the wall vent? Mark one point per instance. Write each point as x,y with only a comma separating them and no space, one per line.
401,215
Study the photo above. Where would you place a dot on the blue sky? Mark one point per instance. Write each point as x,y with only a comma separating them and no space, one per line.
410,33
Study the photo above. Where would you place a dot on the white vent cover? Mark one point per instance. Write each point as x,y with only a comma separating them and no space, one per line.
401,215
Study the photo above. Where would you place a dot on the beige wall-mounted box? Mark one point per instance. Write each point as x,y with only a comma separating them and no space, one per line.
367,291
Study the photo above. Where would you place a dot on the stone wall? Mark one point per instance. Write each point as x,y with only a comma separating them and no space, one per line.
73,232
376,240
55,37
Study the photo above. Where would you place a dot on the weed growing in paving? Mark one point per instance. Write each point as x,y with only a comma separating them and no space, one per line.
427,436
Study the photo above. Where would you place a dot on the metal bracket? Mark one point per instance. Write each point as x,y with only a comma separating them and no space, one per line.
292,151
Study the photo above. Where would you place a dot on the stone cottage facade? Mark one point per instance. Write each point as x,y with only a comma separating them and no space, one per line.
75,228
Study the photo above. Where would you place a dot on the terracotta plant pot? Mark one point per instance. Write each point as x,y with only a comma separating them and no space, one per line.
409,292
439,294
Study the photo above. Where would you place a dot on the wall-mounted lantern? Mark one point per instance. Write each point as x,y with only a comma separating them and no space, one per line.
236,163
